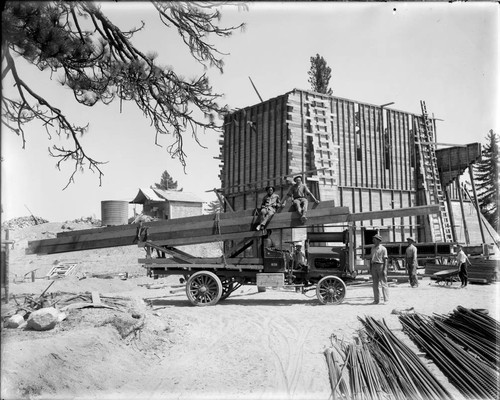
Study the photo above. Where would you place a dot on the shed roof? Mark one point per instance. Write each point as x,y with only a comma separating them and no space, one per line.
162,195
176,195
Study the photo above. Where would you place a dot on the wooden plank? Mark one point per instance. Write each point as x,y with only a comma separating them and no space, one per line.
204,261
394,213
183,228
189,267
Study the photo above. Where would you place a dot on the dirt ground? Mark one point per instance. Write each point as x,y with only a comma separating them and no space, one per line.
253,345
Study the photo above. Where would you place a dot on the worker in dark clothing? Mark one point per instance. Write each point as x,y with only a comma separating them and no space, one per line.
298,192
411,262
270,204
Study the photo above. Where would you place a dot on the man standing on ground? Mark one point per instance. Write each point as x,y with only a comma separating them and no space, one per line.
411,262
378,270
270,203
462,262
298,192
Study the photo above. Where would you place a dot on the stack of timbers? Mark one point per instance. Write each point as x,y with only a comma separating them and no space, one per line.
378,365
204,228
481,270
184,231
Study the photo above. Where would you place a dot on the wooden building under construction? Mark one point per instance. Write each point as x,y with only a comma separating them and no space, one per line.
363,156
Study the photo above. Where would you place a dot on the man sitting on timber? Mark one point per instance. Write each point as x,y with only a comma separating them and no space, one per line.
270,204
298,192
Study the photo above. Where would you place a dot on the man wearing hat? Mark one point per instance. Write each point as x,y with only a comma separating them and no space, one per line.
378,270
411,261
270,203
298,192
299,258
462,261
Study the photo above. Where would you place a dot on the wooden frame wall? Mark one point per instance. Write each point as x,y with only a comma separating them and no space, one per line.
302,131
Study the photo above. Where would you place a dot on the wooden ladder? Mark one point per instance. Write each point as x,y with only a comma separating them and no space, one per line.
440,225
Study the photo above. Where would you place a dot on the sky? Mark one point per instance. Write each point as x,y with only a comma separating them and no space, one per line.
446,54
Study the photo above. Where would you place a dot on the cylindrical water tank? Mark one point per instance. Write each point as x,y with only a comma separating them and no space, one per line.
114,212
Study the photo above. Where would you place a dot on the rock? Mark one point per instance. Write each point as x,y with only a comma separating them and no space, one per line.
15,321
43,319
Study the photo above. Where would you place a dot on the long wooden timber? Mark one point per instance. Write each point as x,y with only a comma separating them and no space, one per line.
394,213
189,230
209,228
214,267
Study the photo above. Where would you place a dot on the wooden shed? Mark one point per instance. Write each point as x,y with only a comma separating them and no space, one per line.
168,204
363,156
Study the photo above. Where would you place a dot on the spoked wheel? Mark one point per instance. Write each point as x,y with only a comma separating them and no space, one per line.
204,288
331,290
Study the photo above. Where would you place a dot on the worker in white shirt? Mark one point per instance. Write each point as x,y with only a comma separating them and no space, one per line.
378,270
462,262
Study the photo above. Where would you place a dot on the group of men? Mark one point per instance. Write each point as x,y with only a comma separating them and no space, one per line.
378,256
271,201
379,264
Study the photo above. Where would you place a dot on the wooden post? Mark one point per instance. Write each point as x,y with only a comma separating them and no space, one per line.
476,203
450,213
350,246
460,197
6,265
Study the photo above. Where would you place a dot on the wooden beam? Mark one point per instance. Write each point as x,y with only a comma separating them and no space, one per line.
189,230
158,262
394,213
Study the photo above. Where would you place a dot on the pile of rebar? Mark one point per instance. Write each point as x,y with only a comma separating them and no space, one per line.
379,366
464,347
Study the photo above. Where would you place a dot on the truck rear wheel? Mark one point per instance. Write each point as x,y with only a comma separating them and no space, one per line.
331,290
204,288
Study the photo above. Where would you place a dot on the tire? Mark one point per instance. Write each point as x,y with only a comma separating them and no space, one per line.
204,288
331,290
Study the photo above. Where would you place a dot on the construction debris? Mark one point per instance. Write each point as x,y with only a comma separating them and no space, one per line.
23,222
44,319
15,321
61,271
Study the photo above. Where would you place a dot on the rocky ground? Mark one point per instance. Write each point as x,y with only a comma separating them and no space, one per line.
254,345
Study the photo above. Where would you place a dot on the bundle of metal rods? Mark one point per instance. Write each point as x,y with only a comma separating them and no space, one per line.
469,373
354,374
474,330
379,366
407,374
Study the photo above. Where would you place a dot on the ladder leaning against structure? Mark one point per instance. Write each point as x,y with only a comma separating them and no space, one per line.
440,226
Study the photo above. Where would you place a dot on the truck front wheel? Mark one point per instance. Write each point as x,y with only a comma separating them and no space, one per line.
331,290
204,288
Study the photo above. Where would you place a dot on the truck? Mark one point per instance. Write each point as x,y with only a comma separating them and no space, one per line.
327,271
